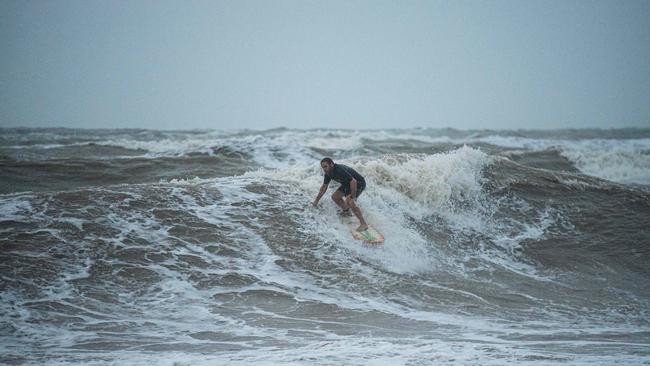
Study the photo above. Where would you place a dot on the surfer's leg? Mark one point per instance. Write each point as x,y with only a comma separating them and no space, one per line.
337,197
357,212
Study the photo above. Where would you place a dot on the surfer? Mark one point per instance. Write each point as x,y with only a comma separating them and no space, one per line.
352,184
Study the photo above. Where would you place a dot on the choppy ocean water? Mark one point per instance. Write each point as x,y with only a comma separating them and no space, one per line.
143,247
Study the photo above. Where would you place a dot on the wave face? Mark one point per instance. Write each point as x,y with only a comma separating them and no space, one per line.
149,247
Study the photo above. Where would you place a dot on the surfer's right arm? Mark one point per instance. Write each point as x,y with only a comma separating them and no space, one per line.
323,189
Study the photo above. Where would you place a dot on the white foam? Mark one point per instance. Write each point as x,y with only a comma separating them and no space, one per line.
371,350
508,256
15,207
432,180
332,140
40,146
164,147
618,160
624,161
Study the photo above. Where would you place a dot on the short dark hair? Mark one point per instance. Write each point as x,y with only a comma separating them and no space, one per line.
327,160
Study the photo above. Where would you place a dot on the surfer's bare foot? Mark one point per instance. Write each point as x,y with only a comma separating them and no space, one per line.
362,228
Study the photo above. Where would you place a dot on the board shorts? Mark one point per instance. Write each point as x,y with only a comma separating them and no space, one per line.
345,189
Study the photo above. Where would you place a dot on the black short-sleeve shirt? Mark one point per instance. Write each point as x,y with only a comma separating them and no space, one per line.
343,174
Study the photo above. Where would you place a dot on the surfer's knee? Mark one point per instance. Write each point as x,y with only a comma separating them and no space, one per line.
336,196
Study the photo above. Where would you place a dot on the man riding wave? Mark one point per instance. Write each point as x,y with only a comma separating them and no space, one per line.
352,185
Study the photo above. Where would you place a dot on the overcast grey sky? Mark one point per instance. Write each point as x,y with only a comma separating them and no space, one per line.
335,64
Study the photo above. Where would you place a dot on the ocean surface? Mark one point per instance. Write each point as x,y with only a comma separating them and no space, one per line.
146,247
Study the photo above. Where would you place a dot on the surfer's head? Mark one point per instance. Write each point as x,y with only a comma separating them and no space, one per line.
327,164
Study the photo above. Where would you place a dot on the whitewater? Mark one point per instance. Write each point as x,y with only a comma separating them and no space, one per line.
200,247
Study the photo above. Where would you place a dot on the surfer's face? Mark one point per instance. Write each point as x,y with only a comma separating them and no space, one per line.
327,168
